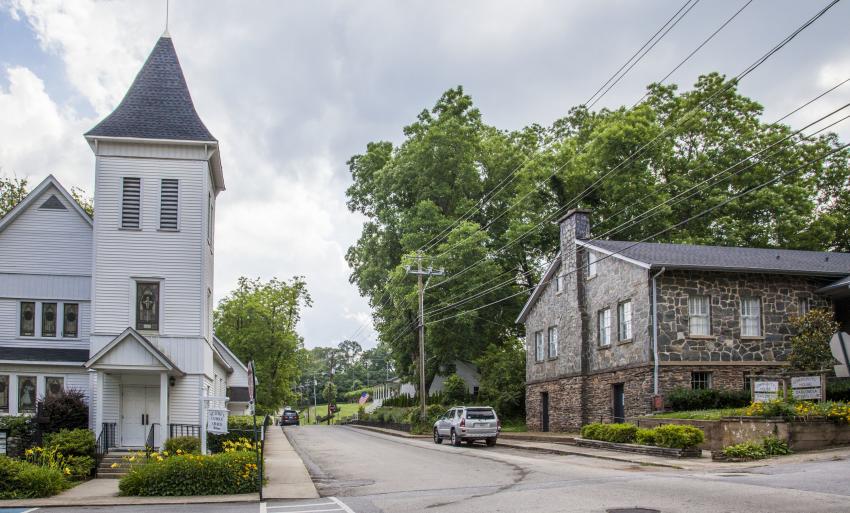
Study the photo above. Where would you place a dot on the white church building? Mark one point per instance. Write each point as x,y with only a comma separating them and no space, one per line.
120,305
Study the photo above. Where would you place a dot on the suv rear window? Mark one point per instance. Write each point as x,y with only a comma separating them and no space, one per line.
480,413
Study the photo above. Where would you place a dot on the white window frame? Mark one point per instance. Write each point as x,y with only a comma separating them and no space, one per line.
538,346
552,341
805,305
603,327
624,320
591,264
708,381
134,288
141,206
177,228
703,328
751,325
559,284
39,311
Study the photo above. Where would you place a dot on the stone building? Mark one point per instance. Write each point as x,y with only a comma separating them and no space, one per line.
722,314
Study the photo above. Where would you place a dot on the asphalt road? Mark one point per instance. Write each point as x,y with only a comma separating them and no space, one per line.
358,471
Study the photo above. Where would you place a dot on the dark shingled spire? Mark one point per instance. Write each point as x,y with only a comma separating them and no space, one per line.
158,104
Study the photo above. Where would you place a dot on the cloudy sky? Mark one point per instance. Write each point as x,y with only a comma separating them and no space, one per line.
293,89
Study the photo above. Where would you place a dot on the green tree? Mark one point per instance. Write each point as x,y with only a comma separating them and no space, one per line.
12,191
329,392
502,378
257,320
810,346
454,388
83,199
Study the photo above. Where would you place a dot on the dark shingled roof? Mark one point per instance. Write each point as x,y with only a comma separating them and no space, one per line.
157,105
44,354
686,256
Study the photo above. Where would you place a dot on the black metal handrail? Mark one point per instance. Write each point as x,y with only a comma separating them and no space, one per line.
105,440
151,440
175,430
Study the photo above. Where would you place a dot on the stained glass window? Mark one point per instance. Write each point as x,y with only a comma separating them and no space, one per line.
48,319
147,300
69,327
26,394
55,386
4,393
27,319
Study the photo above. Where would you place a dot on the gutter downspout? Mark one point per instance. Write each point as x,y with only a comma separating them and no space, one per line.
655,364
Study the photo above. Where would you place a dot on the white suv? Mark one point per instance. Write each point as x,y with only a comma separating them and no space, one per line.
469,423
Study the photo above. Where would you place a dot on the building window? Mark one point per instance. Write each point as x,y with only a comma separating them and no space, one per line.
624,320
751,317
604,325
168,204
805,305
553,341
55,387
27,319
4,393
699,318
559,284
131,202
538,346
71,319
591,264
147,301
26,394
748,382
700,380
48,319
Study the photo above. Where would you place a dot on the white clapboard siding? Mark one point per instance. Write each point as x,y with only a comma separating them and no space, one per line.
183,399
40,286
111,398
173,257
10,337
47,241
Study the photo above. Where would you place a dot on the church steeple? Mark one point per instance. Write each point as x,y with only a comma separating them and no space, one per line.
157,105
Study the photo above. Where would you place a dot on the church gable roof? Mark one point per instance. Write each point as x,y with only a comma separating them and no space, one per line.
157,105
49,184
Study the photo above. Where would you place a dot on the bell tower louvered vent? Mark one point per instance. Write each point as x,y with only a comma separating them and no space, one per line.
131,202
168,204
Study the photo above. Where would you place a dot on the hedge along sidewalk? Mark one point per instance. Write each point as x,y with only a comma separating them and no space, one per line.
287,477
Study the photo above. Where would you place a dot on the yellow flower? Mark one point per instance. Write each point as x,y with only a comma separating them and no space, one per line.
132,458
114,465
179,451
165,453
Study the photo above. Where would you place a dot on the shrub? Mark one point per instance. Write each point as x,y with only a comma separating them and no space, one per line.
776,408
617,433
838,390
745,450
65,411
77,448
454,389
686,399
774,446
678,436
810,346
185,444
645,437
23,480
217,474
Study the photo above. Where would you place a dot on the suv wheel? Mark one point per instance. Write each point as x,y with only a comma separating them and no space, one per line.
455,439
491,442
437,438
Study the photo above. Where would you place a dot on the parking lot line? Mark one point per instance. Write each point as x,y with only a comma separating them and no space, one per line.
308,507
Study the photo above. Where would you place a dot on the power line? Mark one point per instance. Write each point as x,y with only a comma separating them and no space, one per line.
734,81
698,48
642,56
643,216
661,232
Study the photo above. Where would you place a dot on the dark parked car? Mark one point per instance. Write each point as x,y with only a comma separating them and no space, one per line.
289,418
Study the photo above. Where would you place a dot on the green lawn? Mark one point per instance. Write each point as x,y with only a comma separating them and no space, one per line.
345,410
701,414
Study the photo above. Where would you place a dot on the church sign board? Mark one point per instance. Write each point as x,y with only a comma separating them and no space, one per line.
764,391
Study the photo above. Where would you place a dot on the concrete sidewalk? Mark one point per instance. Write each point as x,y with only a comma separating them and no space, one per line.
287,477
694,464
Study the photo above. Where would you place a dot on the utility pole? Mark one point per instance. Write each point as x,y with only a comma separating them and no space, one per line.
419,272
315,405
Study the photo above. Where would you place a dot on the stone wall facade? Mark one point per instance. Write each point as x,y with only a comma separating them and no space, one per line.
780,297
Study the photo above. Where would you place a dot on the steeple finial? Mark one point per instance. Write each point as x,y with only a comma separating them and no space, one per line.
165,33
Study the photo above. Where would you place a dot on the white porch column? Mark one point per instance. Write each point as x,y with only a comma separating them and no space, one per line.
13,394
163,408
98,403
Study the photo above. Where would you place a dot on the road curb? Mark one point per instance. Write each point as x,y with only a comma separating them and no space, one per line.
512,445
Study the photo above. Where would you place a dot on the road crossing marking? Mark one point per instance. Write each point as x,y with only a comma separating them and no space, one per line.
308,507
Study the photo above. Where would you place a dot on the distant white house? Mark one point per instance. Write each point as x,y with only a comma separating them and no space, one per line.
120,306
465,370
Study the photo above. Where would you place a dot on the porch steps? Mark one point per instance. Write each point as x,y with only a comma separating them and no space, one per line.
118,457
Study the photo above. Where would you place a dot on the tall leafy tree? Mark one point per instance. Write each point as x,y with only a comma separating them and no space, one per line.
12,191
258,322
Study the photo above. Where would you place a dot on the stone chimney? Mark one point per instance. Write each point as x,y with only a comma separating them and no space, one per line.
574,225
